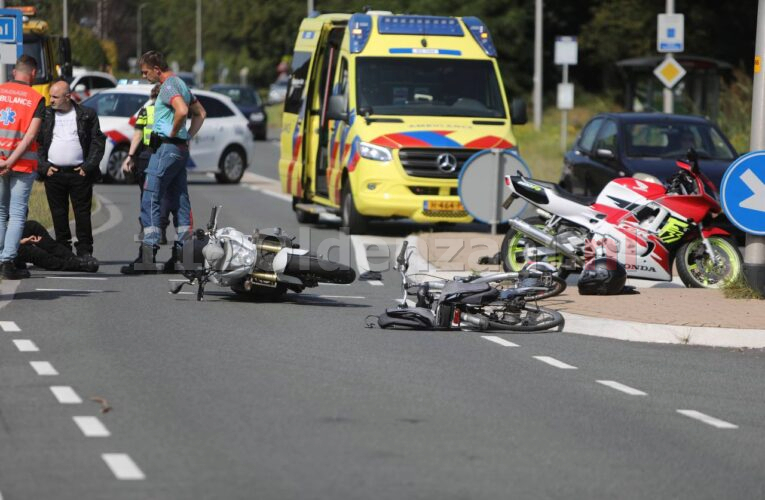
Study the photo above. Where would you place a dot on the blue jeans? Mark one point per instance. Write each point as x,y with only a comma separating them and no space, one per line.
15,188
166,176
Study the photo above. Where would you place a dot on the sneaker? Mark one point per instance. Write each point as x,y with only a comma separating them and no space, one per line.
9,271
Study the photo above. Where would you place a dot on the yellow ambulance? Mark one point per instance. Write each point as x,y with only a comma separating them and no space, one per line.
383,110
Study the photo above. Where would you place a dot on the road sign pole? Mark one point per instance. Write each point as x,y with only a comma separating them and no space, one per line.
499,191
537,65
564,116
754,253
669,100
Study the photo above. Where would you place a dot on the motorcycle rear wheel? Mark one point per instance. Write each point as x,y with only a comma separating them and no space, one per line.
324,271
697,270
515,246
530,319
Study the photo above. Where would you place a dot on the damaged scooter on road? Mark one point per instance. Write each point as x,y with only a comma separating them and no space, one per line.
264,265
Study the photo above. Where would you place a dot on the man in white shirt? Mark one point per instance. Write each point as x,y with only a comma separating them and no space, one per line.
71,148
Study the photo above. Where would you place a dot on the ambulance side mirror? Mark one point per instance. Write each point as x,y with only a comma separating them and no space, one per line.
336,108
518,112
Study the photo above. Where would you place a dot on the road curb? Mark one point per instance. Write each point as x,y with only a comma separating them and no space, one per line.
628,330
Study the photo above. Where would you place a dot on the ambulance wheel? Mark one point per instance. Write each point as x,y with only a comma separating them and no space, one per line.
232,164
352,221
302,216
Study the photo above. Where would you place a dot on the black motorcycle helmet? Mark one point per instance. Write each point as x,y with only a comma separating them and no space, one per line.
602,276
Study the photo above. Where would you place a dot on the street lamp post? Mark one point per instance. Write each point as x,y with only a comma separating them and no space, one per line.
139,34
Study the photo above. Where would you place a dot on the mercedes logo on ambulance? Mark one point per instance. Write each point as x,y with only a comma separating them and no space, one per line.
446,163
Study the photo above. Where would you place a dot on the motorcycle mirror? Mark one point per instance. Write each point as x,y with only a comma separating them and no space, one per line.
693,159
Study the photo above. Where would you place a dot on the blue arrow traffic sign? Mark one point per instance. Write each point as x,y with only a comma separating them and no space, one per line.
742,193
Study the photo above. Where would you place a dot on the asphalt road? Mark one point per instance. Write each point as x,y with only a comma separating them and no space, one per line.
229,399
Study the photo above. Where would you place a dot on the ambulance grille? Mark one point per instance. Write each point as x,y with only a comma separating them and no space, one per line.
421,162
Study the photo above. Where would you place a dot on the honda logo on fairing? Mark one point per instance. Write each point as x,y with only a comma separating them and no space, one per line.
446,162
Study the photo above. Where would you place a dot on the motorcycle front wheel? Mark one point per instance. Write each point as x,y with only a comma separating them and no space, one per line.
697,269
516,247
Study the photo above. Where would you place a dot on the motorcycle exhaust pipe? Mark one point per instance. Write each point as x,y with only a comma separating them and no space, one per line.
267,277
543,238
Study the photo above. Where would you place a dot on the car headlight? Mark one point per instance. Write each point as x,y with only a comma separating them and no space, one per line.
373,152
256,117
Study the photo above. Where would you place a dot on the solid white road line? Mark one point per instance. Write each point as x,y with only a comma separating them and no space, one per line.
621,387
273,194
123,467
499,340
554,362
75,278
714,422
9,326
91,427
25,345
43,368
337,296
66,290
65,395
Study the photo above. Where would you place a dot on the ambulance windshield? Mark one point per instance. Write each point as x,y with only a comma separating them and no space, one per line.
427,87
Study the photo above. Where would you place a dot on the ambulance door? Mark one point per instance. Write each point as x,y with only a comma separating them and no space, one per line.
317,128
294,115
338,134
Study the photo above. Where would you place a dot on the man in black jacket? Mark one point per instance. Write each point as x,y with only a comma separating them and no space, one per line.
71,148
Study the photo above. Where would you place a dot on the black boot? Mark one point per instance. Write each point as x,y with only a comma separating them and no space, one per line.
145,263
89,264
163,236
173,263
8,271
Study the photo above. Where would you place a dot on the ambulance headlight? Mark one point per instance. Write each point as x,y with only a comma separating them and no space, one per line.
373,152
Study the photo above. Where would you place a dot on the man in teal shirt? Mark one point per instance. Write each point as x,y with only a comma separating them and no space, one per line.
167,168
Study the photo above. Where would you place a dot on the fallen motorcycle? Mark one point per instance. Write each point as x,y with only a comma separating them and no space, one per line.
475,305
263,265
638,221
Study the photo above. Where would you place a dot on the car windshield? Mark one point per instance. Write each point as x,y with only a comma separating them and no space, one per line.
662,140
242,96
33,46
116,104
427,87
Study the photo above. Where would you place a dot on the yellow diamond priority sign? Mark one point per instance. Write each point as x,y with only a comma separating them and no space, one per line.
669,72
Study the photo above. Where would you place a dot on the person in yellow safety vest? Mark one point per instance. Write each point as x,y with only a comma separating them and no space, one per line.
21,114
137,160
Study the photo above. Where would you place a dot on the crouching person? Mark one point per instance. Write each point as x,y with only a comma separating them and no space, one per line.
39,248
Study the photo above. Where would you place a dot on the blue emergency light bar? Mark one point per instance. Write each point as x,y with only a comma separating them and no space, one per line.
481,34
419,25
360,26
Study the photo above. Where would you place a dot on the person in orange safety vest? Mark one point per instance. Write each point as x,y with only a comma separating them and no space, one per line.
21,112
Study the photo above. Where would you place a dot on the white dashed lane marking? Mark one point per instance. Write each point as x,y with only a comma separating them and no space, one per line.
67,290
621,387
376,283
123,467
25,345
75,278
91,427
714,422
554,362
65,395
43,368
9,326
500,341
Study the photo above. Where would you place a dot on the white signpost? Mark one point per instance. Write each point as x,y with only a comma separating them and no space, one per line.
566,53
670,38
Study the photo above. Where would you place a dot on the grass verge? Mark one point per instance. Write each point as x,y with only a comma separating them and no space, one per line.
740,289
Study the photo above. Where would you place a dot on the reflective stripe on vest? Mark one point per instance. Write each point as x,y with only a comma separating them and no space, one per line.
149,124
18,103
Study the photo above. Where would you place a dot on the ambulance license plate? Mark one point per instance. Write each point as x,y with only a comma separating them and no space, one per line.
442,206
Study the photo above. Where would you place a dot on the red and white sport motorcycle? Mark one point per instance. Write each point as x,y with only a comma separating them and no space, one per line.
636,220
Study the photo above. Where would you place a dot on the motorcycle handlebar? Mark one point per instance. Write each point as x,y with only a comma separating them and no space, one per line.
213,216
401,259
